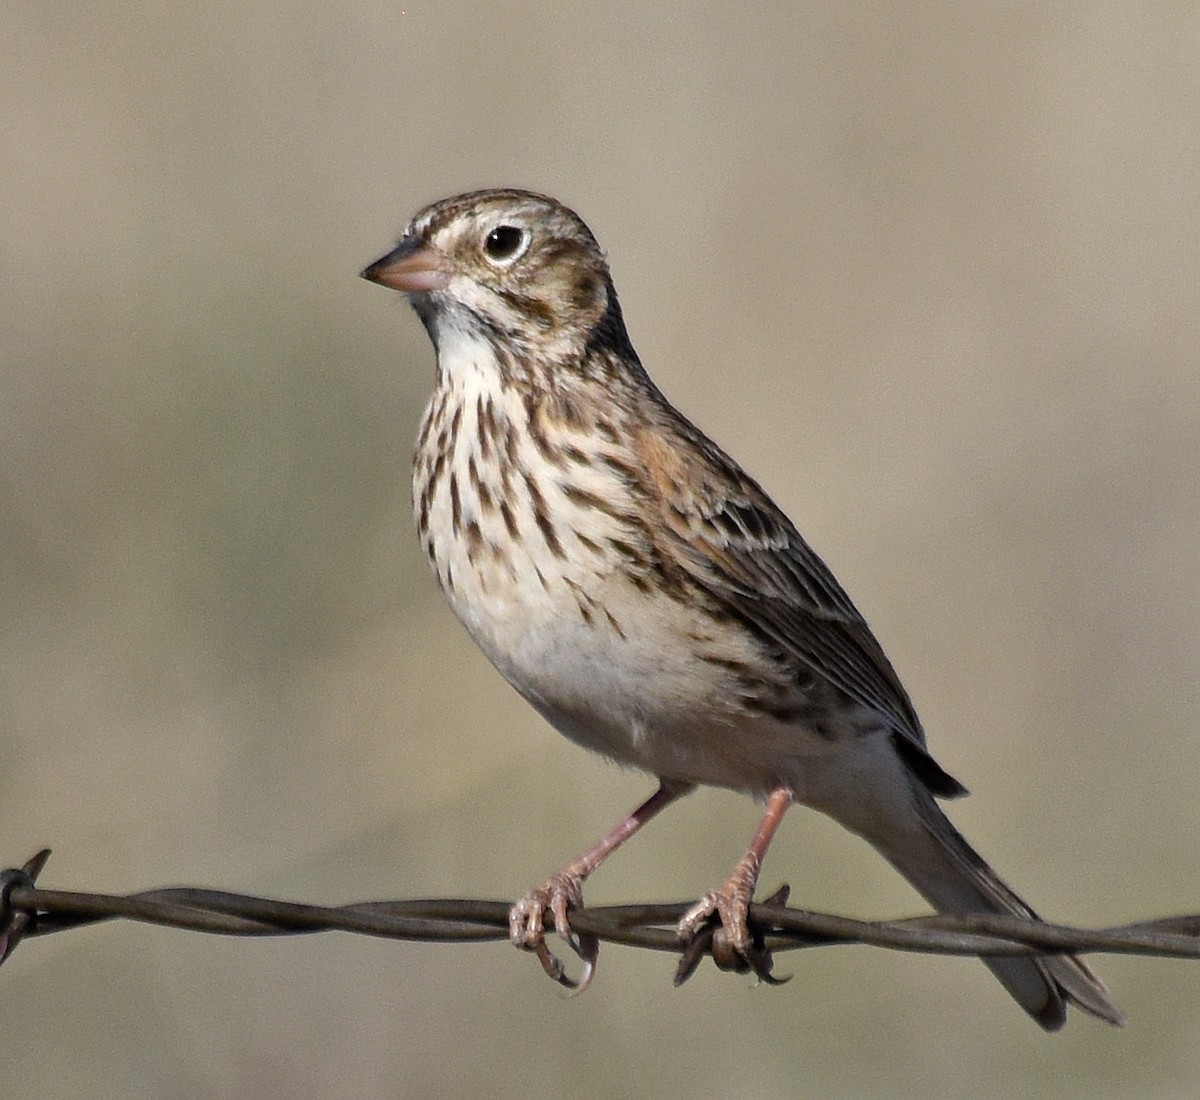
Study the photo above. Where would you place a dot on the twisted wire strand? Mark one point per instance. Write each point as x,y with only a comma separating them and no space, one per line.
27,911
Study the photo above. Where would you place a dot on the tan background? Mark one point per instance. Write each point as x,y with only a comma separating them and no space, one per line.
930,271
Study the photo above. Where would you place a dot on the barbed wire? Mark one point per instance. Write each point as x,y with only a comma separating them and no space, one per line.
27,911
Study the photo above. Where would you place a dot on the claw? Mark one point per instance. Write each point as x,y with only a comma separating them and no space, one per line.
527,928
731,908
718,924
553,965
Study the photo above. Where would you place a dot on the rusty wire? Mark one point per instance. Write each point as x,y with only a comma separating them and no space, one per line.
27,911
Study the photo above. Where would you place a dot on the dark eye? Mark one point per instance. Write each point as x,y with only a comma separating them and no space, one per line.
505,244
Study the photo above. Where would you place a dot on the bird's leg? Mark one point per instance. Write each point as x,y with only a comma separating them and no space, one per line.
563,891
732,942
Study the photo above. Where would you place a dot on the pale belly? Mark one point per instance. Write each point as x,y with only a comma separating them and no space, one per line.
615,682
631,688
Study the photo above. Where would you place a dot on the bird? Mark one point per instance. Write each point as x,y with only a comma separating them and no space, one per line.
647,597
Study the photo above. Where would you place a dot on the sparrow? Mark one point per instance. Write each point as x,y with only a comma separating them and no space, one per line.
645,594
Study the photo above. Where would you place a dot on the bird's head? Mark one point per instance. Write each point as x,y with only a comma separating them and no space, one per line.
505,265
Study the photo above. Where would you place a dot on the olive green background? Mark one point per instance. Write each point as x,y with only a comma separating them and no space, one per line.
929,270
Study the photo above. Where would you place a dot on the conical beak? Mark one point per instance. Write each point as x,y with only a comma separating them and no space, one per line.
412,267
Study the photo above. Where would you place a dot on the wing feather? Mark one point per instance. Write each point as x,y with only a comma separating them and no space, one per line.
737,545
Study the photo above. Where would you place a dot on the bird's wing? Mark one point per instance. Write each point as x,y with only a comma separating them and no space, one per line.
739,547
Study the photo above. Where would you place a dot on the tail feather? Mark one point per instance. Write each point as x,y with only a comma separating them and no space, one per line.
937,860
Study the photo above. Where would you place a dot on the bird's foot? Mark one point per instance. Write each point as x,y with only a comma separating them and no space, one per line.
719,924
558,895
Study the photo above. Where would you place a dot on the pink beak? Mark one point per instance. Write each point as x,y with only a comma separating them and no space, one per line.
411,267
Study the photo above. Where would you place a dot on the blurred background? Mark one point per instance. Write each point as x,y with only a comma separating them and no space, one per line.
929,271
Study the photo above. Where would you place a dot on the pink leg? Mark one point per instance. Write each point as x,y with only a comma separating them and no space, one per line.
732,902
563,891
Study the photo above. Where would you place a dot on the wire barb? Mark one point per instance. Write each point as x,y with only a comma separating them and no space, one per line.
27,911
15,923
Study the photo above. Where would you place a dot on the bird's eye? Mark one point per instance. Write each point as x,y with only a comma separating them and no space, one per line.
505,244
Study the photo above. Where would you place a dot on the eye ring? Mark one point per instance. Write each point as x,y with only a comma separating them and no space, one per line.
504,245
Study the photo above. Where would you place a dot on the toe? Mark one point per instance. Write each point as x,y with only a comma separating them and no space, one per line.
558,895
698,916
719,925
525,921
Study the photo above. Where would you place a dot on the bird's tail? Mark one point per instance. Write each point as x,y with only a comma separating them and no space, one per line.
937,860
